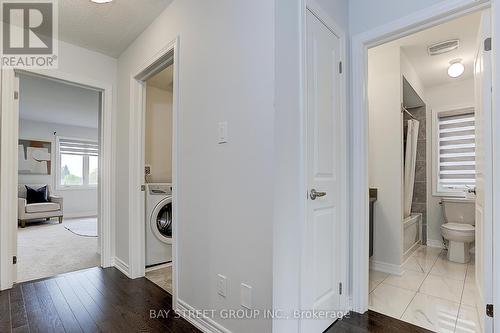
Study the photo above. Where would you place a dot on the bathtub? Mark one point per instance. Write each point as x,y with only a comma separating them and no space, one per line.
412,234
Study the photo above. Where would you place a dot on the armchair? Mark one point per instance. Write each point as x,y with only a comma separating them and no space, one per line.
44,210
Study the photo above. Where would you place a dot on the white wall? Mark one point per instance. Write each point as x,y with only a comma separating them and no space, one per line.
411,75
77,203
367,14
386,150
158,136
226,73
456,94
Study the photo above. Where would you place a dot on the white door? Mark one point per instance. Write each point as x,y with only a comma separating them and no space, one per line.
324,256
484,164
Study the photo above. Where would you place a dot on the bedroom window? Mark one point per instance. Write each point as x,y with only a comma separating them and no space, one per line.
455,151
78,163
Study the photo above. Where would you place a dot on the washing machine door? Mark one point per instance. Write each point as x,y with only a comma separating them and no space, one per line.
161,221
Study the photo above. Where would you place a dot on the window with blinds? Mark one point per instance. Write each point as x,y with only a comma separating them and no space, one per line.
456,151
78,162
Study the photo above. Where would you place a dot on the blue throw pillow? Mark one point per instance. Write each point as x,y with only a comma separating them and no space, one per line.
36,195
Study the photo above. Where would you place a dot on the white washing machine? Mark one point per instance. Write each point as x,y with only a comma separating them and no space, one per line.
158,224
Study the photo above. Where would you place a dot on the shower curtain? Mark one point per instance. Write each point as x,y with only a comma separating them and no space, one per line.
410,161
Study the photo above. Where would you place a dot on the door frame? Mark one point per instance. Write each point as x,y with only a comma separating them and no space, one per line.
8,166
423,19
316,9
137,236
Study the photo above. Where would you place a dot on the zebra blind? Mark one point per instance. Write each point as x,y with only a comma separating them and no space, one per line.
78,147
457,151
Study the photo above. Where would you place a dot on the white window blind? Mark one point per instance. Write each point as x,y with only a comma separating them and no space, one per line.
78,147
78,163
457,151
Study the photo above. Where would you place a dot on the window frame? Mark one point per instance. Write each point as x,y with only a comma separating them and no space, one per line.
85,170
457,110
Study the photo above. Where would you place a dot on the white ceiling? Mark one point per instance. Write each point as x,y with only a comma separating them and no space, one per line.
55,102
432,70
163,80
106,28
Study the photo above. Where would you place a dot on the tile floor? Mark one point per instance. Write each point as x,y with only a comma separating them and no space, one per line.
433,293
162,277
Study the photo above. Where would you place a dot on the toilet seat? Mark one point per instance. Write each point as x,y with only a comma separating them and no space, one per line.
458,227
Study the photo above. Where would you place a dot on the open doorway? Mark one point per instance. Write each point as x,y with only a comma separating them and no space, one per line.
58,177
429,153
158,128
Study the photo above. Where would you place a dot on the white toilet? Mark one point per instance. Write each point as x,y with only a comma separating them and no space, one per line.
458,230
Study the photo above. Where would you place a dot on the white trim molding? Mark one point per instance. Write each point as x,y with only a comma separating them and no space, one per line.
9,134
435,243
386,267
8,167
121,266
202,322
404,26
137,238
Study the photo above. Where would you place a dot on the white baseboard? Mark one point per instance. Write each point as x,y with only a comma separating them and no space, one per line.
435,243
74,215
203,323
386,267
157,267
121,266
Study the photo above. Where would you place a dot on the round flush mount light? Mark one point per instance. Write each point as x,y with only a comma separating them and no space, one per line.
456,68
101,1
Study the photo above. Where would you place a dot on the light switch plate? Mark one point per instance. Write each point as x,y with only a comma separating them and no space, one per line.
221,285
223,137
246,296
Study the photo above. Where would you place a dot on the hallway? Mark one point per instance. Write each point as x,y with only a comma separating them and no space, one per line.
92,300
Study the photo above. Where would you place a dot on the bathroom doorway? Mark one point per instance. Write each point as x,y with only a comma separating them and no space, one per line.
426,127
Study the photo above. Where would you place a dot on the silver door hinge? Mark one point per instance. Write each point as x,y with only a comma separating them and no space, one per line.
487,44
14,260
143,188
16,94
489,310
340,67
340,288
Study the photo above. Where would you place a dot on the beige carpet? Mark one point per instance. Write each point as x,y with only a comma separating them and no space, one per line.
162,278
47,248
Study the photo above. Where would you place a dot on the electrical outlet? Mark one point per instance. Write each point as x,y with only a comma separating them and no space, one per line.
221,285
246,296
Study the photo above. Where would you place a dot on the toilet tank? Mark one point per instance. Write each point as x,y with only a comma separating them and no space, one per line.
459,210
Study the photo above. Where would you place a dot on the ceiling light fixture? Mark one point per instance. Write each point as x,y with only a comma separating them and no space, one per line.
456,68
101,1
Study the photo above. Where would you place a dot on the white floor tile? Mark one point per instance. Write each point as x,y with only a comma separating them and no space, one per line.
470,294
442,287
427,252
418,264
432,313
451,270
410,280
376,278
471,274
468,320
390,300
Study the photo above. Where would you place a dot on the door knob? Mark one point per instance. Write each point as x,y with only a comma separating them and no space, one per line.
315,194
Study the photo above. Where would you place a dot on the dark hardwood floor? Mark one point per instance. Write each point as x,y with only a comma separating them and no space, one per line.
92,300
373,322
105,300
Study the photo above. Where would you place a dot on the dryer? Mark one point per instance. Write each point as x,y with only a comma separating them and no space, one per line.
158,223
